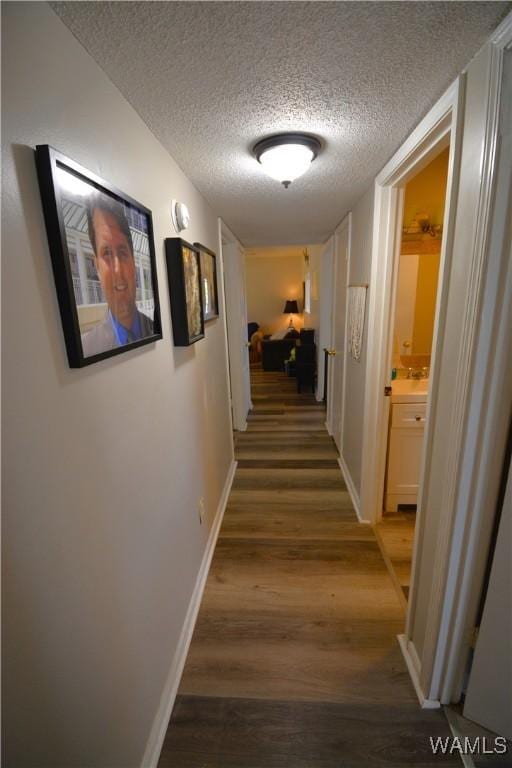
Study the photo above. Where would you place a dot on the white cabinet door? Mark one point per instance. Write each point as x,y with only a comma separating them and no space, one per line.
405,449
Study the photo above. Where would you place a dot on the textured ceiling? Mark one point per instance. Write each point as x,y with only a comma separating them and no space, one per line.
210,78
279,251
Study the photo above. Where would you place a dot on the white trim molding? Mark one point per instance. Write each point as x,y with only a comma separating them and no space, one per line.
461,479
438,127
488,405
502,35
413,667
163,715
345,224
220,282
354,496
440,479
235,325
348,220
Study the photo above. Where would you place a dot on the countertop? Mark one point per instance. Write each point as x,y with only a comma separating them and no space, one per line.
409,390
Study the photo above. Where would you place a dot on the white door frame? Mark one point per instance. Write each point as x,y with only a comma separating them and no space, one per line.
440,126
324,329
490,410
482,386
234,328
346,224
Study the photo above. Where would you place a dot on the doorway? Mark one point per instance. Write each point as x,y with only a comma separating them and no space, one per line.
441,128
413,318
325,321
336,353
235,314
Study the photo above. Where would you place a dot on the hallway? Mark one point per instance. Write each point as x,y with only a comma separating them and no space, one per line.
294,661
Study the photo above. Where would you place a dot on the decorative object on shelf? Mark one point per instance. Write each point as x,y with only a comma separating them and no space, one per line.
180,216
209,282
286,156
291,308
421,225
356,310
185,290
100,242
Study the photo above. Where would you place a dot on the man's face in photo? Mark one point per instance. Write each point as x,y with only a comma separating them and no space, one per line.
115,266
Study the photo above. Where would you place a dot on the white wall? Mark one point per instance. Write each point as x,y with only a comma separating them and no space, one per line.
275,274
360,268
103,467
270,281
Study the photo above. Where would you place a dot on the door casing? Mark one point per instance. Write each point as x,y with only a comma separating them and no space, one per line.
235,325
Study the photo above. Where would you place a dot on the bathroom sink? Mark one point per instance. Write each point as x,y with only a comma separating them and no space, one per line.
415,361
409,390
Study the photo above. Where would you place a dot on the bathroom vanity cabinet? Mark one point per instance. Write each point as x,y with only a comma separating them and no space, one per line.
405,442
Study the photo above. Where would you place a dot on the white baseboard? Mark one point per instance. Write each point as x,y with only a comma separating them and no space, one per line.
161,721
412,662
351,488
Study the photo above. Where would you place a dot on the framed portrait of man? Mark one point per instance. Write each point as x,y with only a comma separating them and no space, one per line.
103,256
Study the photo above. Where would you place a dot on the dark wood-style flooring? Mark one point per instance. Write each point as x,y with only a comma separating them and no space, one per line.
396,535
294,661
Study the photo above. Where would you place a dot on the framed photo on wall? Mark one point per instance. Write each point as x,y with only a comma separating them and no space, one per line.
103,256
185,291
209,282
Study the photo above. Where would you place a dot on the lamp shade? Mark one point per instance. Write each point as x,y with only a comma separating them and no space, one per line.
291,308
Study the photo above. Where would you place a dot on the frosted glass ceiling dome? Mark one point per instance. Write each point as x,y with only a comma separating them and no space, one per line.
286,156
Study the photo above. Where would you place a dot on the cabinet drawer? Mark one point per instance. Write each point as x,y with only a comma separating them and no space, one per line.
410,415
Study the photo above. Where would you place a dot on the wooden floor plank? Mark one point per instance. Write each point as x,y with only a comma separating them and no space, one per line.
291,734
396,532
287,521
316,480
288,463
294,661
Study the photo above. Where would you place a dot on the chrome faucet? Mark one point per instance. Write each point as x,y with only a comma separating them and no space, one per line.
418,373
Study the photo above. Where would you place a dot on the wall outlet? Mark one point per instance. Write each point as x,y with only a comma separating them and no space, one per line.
201,510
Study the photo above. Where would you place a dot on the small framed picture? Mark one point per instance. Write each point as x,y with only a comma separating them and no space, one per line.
185,290
209,282
103,257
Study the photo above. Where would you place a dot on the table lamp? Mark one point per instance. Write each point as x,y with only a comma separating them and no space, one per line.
291,308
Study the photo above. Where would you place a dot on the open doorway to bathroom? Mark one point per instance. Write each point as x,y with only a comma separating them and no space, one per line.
415,297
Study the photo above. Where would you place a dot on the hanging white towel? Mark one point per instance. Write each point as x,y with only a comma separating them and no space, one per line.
356,308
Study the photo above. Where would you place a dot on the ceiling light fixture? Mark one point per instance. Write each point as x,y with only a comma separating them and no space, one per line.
286,156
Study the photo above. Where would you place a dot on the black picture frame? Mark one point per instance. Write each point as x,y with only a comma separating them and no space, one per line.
209,282
185,291
92,306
